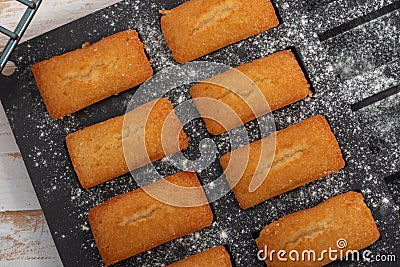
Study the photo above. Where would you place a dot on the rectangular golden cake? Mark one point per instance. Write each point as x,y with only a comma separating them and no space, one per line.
82,77
213,257
97,152
198,27
134,222
343,223
304,152
280,81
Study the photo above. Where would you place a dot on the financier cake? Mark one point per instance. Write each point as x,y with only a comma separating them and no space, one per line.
213,257
134,222
148,133
343,223
82,77
199,27
304,152
280,82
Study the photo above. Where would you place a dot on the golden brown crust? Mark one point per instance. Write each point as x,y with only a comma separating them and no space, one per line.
304,152
97,151
279,78
82,77
198,27
134,222
319,228
214,257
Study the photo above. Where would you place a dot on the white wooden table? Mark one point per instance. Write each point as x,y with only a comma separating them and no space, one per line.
24,236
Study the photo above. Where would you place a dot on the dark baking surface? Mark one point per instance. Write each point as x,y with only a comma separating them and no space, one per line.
349,56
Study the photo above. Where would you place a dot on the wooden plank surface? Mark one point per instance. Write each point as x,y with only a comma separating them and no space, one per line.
7,142
16,192
24,236
25,240
51,14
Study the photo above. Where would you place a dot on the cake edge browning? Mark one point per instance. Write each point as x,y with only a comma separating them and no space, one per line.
345,223
50,71
335,162
216,253
189,10
200,217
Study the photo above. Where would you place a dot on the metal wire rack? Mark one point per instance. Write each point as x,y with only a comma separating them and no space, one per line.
16,35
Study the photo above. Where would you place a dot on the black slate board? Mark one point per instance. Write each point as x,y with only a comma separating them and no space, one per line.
343,68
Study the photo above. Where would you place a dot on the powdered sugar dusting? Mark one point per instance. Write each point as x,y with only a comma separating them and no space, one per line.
342,71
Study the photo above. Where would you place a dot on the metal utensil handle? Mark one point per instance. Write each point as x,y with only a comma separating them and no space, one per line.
16,35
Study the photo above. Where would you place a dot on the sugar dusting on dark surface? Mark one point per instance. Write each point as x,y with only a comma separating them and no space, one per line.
340,76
